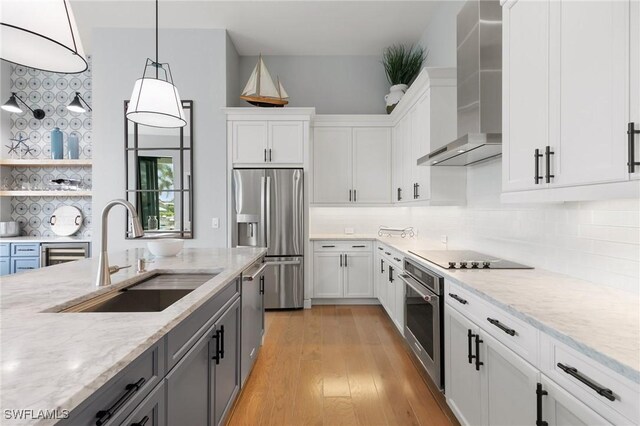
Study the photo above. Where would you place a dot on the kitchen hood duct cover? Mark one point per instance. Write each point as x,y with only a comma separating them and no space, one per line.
479,74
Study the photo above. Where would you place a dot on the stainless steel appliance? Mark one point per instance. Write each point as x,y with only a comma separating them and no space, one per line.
252,317
424,321
479,58
268,212
466,259
56,253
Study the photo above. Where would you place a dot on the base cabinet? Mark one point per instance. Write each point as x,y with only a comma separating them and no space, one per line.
226,364
342,270
560,408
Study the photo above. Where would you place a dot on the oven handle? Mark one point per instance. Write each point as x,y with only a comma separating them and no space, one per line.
433,299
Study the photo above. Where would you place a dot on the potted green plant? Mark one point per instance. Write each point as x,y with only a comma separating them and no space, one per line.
401,65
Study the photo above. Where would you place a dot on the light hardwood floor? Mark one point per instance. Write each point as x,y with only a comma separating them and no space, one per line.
335,365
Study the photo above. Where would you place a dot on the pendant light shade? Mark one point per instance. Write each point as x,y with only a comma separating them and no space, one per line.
12,105
41,34
76,104
155,101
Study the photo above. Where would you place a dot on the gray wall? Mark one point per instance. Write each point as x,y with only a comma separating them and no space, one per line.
233,73
331,84
197,59
439,37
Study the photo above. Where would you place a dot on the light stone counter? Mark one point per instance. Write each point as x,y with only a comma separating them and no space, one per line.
601,322
56,360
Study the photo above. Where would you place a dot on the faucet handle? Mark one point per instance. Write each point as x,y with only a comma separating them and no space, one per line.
115,268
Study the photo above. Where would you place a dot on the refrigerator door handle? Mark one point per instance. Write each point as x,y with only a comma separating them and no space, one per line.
263,223
268,210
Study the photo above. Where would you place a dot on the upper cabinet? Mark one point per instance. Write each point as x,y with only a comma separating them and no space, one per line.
351,163
424,120
268,138
566,114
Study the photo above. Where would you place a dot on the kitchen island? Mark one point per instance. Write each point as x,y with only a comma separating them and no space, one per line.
54,361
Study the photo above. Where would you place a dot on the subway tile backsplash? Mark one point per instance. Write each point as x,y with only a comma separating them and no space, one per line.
598,241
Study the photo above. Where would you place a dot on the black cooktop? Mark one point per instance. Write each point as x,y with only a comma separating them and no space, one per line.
466,259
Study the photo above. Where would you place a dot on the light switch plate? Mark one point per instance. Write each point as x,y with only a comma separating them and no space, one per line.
215,223
348,231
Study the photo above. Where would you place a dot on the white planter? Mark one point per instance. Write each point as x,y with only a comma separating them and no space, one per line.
396,92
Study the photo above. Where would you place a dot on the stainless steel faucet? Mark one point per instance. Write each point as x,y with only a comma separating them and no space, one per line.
104,271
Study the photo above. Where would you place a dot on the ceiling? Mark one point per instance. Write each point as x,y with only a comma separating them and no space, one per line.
293,27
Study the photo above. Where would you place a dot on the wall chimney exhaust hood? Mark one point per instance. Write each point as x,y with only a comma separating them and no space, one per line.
479,69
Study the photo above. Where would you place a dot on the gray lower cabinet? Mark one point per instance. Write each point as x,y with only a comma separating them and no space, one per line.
188,378
252,323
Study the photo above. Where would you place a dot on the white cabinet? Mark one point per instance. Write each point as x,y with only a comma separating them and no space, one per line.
342,270
351,165
277,140
560,408
574,111
463,385
390,286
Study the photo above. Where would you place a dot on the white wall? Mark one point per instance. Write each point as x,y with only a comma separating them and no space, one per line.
598,241
331,84
197,59
439,38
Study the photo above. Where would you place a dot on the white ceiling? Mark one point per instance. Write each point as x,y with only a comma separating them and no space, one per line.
294,27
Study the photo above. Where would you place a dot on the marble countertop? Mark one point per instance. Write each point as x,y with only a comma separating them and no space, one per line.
55,361
29,239
601,322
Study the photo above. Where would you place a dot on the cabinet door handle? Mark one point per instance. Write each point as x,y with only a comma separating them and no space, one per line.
341,261
270,151
381,266
539,394
216,357
142,422
222,342
355,195
345,260
265,155
390,273
414,191
547,154
573,372
478,362
631,132
131,389
399,194
417,190
458,298
509,331
262,284
349,195
470,354
536,175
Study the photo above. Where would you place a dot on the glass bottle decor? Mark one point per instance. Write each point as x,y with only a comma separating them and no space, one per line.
57,146
152,223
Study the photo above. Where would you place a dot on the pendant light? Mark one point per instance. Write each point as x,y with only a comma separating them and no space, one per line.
41,34
12,106
155,100
76,104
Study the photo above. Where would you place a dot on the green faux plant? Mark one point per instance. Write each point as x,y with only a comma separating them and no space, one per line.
402,64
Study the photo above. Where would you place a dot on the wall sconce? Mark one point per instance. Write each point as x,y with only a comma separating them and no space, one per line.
12,106
76,104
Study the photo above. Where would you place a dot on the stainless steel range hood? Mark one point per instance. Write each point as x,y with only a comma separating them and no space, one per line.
479,68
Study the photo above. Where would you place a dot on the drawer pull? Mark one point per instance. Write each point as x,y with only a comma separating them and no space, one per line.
380,248
573,372
458,298
509,331
477,355
131,389
397,259
359,246
387,253
327,246
142,422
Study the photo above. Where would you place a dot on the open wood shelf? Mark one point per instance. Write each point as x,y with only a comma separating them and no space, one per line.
44,162
45,193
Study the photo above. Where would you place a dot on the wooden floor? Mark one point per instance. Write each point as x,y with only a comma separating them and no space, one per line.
335,365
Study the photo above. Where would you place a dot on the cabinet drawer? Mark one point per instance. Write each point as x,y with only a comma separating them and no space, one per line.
391,256
151,411
342,246
517,335
120,394
5,266
187,333
5,250
25,249
557,357
19,264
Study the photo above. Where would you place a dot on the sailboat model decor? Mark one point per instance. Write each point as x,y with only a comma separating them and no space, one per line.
261,91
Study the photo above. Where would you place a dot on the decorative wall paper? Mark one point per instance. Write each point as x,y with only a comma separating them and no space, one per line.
51,92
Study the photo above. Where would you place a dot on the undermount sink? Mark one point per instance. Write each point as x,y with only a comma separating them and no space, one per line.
153,294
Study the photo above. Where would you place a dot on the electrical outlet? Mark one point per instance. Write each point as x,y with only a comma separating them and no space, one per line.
444,239
348,231
215,223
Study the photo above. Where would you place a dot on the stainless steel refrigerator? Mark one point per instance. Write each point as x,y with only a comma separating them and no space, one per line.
268,212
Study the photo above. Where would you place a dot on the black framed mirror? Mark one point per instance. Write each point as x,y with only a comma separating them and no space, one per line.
158,176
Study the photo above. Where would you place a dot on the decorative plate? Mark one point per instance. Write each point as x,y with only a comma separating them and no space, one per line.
66,220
